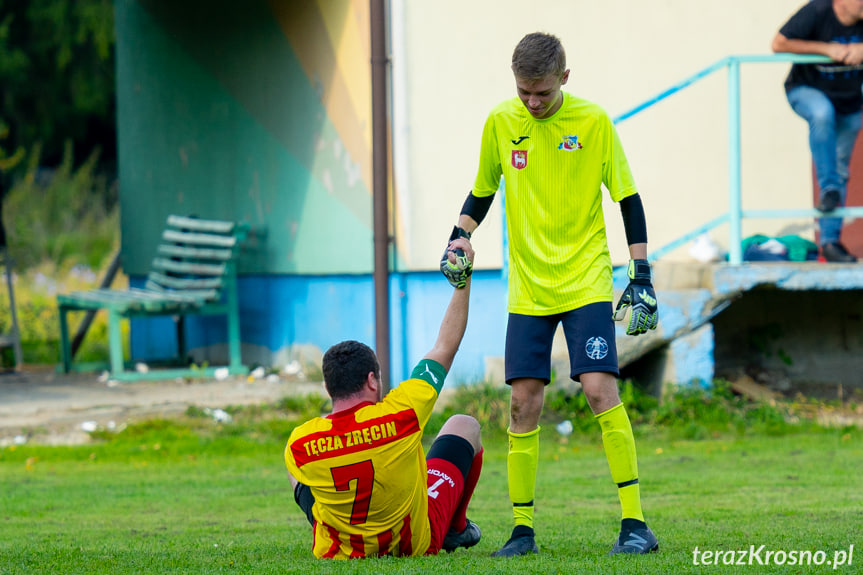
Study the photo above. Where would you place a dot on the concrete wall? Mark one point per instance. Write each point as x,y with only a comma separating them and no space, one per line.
295,318
451,64
260,111
256,111
811,340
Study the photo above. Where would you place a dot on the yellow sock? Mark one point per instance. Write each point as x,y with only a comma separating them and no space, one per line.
620,451
521,469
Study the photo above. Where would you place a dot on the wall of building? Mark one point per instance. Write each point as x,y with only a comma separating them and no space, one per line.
260,112
255,111
288,318
804,340
452,60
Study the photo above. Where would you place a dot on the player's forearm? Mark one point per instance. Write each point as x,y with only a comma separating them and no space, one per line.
473,211
467,223
635,225
638,251
293,480
452,328
634,220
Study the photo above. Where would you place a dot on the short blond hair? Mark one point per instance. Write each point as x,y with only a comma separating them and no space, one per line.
537,56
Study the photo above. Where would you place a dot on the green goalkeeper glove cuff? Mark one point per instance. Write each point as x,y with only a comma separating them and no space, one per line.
638,295
458,272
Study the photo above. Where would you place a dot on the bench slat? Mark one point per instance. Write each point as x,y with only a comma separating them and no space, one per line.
199,239
207,295
171,250
189,268
131,300
217,226
166,282
188,296
101,295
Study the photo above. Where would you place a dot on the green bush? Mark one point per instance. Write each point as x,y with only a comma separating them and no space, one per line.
67,217
486,402
305,407
62,229
685,412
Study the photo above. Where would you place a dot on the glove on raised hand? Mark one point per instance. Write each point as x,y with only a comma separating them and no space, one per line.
458,272
640,296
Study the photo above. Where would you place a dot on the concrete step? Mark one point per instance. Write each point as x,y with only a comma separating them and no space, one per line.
691,294
682,275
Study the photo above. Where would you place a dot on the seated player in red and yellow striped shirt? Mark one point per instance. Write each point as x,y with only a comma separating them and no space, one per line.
360,473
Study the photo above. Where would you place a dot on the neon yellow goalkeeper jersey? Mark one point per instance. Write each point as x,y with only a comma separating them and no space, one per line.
552,170
367,471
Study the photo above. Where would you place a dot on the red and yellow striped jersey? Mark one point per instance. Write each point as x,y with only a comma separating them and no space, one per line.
367,471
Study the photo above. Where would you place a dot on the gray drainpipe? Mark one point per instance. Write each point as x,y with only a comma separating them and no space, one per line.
380,158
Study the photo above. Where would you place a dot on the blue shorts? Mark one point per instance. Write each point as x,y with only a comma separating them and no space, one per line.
589,332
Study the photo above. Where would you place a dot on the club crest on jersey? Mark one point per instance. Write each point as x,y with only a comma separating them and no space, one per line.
519,159
569,143
596,348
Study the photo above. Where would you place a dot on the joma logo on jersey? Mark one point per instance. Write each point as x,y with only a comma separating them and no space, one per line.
569,143
519,159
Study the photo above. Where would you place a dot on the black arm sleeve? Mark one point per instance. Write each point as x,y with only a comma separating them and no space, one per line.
476,207
633,220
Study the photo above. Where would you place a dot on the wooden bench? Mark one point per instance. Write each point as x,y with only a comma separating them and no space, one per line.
194,272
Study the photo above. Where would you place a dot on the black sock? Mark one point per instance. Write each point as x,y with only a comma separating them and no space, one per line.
630,524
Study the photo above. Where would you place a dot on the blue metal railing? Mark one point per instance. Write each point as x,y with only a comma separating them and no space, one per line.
736,214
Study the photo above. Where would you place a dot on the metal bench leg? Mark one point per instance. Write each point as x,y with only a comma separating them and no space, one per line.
234,349
16,332
182,353
115,343
65,347
234,352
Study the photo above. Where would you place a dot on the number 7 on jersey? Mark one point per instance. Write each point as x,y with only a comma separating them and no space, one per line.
364,474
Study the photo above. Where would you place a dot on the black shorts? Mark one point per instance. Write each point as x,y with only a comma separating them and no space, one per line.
589,332
304,498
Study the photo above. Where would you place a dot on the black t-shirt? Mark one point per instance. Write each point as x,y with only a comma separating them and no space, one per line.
840,82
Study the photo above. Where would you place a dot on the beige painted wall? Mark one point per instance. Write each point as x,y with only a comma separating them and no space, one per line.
451,65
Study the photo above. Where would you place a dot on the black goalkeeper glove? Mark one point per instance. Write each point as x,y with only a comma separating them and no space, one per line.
458,272
640,295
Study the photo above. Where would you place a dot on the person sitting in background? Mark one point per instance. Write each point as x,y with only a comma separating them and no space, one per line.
828,97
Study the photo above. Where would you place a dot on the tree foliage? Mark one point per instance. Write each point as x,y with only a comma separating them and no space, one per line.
57,77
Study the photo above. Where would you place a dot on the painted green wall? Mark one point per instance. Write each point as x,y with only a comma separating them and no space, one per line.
218,117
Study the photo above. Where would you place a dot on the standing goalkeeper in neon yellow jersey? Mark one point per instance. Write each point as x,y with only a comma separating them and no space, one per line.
554,151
